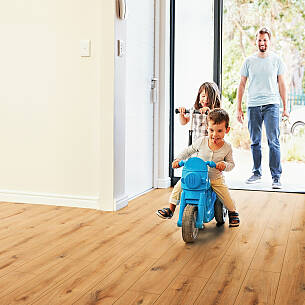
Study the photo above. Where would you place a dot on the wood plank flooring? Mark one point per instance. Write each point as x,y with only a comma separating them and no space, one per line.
58,255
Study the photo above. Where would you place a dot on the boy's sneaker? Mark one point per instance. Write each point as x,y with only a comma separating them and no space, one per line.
276,184
254,179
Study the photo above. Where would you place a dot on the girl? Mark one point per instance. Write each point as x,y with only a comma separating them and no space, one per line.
208,98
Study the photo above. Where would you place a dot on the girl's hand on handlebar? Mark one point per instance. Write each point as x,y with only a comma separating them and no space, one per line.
204,110
182,111
175,163
183,119
220,166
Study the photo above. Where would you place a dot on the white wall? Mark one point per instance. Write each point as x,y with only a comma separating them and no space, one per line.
106,119
61,142
56,108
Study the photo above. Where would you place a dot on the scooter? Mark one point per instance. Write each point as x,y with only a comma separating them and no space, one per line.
199,203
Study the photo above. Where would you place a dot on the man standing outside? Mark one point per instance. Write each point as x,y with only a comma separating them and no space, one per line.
265,71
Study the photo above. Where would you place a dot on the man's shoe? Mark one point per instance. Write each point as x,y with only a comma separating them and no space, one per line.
254,179
276,184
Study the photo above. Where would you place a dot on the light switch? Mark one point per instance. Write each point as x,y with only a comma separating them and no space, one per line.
85,48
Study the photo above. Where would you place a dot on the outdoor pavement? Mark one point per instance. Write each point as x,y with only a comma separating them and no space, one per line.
293,175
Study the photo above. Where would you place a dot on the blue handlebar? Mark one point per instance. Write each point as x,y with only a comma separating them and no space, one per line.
209,163
181,163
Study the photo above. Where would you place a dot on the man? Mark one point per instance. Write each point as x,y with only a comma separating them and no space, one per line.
265,71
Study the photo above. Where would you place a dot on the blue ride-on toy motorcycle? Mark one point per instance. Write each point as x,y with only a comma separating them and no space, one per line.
199,203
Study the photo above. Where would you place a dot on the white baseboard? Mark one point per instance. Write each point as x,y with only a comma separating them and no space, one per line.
120,202
163,183
140,194
50,199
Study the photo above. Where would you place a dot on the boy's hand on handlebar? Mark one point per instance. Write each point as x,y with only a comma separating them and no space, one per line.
220,166
175,163
204,110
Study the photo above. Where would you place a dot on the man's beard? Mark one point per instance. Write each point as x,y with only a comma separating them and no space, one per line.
262,49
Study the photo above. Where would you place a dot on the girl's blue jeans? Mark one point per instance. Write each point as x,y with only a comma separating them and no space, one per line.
269,114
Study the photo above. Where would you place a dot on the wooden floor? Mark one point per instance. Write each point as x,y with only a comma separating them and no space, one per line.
57,255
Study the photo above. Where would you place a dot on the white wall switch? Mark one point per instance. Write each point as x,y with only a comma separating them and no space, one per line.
85,46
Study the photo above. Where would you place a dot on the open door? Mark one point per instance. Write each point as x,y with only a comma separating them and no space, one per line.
139,101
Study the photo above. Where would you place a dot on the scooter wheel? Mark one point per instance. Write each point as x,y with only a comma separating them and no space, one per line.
189,230
220,212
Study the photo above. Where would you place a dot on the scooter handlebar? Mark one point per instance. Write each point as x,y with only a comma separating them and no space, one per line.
188,111
209,163
181,163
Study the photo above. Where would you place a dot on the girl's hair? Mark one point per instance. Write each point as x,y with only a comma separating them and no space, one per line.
213,94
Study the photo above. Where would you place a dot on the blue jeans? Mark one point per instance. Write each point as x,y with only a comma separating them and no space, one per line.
269,114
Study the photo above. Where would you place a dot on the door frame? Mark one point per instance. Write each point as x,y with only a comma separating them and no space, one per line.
156,75
217,69
120,196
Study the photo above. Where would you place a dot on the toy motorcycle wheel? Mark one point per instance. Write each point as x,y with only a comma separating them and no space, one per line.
220,212
189,230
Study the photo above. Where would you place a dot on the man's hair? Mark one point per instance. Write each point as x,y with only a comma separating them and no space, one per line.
263,30
212,91
218,116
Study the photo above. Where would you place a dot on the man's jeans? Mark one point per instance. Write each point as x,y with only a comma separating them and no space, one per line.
270,115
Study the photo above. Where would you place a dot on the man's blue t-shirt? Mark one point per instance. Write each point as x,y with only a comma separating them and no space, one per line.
262,74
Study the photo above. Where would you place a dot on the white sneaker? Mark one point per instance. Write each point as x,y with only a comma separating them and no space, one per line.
254,179
276,184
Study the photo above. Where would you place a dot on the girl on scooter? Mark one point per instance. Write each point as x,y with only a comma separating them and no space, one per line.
208,98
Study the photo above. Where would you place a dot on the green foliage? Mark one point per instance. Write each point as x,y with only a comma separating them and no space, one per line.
231,95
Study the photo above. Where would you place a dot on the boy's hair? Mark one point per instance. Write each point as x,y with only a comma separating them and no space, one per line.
218,116
213,94
263,30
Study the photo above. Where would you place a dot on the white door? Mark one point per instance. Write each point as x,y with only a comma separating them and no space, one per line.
139,107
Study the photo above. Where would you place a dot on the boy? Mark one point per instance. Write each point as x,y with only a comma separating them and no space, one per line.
210,148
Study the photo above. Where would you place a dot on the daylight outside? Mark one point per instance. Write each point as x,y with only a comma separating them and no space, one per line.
286,19
194,40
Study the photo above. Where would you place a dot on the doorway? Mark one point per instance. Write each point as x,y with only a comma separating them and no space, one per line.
195,51
240,23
